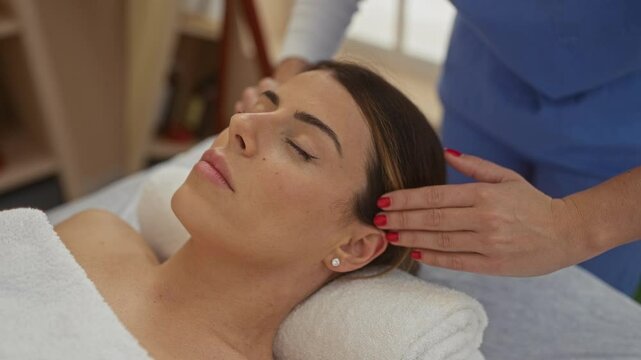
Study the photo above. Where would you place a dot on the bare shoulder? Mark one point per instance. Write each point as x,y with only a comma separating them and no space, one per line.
100,238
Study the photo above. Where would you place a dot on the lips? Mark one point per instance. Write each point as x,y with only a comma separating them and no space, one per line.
217,161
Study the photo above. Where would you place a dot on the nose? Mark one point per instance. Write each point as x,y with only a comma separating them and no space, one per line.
242,137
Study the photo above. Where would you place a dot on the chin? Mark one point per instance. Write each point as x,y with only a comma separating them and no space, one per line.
203,218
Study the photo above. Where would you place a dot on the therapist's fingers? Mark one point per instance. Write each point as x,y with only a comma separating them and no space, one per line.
479,169
238,107
267,83
250,94
450,241
449,219
428,197
249,98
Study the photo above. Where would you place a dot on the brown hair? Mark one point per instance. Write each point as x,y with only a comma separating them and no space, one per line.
407,151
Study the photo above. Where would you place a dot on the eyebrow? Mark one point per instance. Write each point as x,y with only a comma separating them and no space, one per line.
308,119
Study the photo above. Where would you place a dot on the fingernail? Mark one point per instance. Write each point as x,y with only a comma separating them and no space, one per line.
453,152
380,220
392,236
416,255
383,202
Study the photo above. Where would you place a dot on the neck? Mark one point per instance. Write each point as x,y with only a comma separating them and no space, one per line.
224,298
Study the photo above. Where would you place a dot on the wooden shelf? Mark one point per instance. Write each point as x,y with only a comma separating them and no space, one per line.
201,27
24,161
187,47
161,149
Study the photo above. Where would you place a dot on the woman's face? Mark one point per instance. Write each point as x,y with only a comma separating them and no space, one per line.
295,163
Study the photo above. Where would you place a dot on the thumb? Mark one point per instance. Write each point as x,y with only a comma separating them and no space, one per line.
479,169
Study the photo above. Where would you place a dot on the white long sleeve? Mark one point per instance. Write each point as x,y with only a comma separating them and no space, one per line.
316,28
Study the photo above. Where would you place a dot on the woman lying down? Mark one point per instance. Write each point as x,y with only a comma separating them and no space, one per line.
279,206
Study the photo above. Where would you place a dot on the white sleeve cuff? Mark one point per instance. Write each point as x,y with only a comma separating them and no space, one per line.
316,28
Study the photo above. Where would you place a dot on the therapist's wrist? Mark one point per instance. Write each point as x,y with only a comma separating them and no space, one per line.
288,68
586,239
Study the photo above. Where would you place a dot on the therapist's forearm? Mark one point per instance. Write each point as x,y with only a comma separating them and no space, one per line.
610,213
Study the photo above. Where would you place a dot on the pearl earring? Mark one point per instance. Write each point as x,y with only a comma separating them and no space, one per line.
336,262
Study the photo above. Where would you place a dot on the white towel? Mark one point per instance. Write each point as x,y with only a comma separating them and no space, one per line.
397,316
158,225
394,316
49,309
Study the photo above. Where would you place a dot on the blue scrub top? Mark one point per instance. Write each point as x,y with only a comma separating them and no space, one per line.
557,80
557,84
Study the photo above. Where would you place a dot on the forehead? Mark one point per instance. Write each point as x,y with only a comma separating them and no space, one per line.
320,94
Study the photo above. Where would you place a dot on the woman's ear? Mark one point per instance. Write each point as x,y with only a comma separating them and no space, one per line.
367,244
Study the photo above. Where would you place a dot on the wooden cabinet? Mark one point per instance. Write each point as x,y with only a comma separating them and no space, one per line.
84,83
163,40
230,52
61,75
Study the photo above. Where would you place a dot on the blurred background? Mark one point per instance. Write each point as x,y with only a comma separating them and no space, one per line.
92,90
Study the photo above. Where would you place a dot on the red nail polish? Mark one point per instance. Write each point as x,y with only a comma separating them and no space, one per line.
383,202
453,152
380,220
392,236
416,255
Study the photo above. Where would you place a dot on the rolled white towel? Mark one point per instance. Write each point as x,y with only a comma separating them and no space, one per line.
395,316
158,225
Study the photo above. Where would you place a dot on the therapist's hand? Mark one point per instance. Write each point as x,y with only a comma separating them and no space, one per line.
284,71
500,225
250,95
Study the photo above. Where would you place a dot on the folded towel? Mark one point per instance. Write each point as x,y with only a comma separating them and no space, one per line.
395,316
155,204
49,309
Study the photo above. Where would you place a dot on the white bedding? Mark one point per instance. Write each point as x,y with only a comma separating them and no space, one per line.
569,314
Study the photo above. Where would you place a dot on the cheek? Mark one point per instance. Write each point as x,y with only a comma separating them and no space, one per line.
299,203
286,212
295,190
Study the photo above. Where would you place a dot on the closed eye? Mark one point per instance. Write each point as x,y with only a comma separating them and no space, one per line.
303,154
308,118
